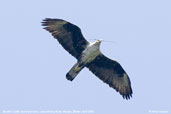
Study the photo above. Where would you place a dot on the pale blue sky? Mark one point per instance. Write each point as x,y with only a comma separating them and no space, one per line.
33,65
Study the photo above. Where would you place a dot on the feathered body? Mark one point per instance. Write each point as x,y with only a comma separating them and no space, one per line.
88,55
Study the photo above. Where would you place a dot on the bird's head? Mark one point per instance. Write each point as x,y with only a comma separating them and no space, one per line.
98,42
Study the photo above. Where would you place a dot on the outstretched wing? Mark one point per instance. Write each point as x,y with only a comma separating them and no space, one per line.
68,35
112,73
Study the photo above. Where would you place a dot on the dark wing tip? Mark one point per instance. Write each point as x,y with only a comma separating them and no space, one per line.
124,89
121,84
127,96
50,21
46,21
52,25
126,92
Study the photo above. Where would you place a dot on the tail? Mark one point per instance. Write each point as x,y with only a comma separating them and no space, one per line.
74,71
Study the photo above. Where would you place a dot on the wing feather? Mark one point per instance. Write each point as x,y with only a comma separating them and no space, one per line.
68,35
111,72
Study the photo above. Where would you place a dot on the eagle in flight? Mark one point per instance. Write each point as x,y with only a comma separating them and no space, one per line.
88,55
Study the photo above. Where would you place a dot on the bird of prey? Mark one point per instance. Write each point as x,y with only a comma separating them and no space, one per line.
88,55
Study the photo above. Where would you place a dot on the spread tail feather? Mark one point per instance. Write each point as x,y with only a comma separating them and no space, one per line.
74,71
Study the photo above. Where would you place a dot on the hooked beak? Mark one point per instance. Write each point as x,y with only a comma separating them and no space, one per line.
100,40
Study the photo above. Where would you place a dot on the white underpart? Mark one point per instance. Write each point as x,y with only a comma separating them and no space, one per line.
90,53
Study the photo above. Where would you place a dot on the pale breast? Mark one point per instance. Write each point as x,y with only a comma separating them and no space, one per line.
90,53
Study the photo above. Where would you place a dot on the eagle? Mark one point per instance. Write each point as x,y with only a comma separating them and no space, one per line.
88,55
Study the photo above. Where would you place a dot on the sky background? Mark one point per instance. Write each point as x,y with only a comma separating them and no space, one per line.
33,65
